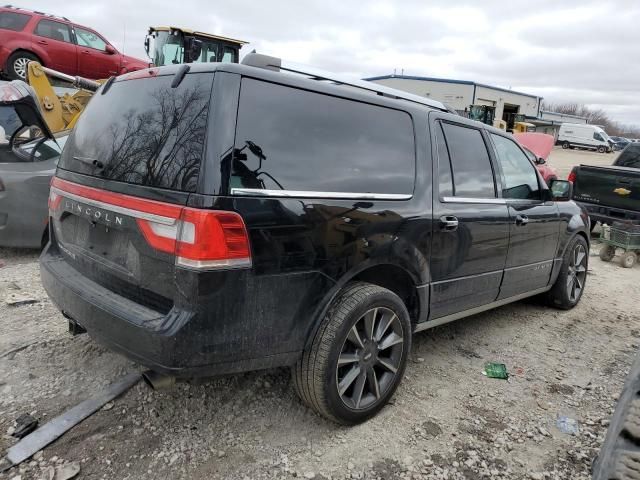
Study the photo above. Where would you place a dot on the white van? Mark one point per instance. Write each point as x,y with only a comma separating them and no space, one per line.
584,136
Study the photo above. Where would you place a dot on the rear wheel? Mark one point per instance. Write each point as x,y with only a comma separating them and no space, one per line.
607,253
602,149
18,63
358,355
629,259
565,145
567,290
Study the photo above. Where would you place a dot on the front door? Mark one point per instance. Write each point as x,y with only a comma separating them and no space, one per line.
534,222
471,233
93,59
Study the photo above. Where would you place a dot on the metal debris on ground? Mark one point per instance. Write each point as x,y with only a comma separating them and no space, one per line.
567,425
16,299
25,424
52,430
496,370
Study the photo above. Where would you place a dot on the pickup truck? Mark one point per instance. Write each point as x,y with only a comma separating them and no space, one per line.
610,193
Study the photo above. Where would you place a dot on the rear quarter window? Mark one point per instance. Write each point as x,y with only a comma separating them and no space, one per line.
13,21
143,132
292,139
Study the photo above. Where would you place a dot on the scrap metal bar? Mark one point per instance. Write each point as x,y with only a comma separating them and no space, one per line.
52,430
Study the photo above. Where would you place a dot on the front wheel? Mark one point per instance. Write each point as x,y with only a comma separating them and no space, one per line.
18,63
569,286
565,145
601,149
629,259
358,355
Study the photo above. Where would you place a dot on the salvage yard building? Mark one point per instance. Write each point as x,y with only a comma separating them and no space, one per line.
474,100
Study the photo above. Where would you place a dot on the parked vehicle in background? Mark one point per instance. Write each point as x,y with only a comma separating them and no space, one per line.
322,250
592,137
27,162
538,147
57,43
610,193
618,143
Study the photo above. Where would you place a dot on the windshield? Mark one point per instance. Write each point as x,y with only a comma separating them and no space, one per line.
167,49
41,149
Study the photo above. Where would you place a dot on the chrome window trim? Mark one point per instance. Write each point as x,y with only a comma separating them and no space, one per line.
496,201
115,208
257,192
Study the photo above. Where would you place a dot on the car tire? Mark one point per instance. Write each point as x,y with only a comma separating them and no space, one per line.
569,286
17,64
358,355
565,145
629,259
621,447
607,252
601,149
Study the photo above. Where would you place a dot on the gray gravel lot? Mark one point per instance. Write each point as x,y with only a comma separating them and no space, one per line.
446,421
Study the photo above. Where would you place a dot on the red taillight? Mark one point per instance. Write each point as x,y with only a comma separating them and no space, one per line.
202,239
198,238
572,175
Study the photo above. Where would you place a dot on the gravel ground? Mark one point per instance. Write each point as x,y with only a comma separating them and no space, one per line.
447,421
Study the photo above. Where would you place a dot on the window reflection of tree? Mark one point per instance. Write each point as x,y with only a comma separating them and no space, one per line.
162,145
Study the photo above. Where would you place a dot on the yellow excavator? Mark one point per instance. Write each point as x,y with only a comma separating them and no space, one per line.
164,46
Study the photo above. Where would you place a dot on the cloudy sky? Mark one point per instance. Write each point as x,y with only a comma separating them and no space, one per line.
586,51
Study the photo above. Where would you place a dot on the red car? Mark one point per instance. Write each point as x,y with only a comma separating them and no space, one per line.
538,146
57,43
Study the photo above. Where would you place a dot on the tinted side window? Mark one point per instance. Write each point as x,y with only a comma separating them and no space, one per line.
290,139
470,163
445,178
54,30
520,178
13,21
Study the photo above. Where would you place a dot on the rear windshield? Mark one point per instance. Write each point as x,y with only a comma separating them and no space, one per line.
630,156
13,21
143,132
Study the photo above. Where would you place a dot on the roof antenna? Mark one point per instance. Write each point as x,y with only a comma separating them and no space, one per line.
124,34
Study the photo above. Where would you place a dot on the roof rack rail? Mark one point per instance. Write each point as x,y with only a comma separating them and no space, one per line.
36,11
276,64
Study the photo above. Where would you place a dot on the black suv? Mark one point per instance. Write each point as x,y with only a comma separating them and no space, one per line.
218,218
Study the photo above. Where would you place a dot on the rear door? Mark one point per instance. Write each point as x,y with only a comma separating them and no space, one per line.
471,233
128,168
93,60
56,38
534,223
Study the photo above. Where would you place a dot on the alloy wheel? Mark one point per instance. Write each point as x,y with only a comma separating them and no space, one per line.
370,358
20,66
577,272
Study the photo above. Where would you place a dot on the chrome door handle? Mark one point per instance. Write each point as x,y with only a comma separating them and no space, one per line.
522,219
448,223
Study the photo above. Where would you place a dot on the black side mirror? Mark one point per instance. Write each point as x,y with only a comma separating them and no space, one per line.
146,45
561,190
541,161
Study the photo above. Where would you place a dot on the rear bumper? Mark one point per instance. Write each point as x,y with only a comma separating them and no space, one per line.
608,215
182,343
